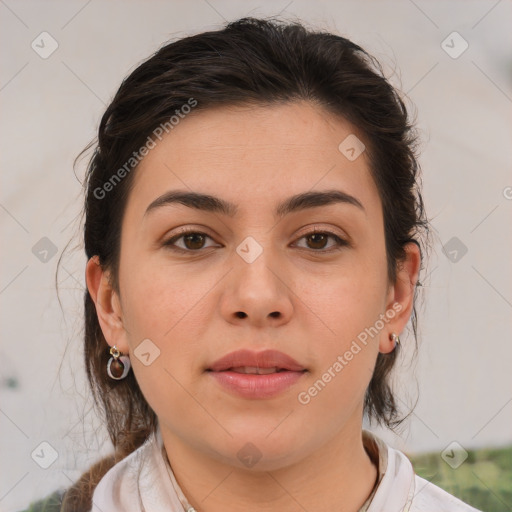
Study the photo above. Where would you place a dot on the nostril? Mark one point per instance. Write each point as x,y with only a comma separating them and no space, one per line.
241,314
275,314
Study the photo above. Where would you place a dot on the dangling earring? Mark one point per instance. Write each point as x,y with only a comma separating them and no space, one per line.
395,338
118,366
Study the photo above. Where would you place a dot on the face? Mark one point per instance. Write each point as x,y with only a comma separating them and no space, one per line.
308,280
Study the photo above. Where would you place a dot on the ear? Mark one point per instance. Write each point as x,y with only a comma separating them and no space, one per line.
400,298
108,305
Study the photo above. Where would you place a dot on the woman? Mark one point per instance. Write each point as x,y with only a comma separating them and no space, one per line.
253,229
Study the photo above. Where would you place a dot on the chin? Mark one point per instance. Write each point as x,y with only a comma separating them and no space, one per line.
257,450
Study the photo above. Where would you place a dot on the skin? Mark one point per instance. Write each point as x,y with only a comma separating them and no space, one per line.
312,456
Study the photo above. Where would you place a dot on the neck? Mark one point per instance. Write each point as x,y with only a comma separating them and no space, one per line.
338,475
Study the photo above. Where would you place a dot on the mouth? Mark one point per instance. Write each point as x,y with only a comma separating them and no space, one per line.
256,375
255,383
255,370
261,363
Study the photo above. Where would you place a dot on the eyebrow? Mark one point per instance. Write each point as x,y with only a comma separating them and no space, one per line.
209,203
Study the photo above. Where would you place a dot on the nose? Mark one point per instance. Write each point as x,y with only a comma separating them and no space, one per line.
257,293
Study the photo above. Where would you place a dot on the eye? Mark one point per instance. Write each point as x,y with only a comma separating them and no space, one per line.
192,241
317,240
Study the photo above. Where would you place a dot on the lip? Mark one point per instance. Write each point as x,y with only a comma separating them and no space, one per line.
263,359
256,386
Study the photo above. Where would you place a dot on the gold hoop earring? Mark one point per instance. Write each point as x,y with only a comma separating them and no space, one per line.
395,338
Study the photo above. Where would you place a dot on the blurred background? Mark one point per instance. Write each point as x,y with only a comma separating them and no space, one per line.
62,63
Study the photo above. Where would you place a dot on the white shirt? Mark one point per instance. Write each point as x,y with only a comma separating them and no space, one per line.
144,482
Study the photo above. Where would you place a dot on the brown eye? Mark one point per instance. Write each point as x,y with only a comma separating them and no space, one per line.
318,240
189,241
194,241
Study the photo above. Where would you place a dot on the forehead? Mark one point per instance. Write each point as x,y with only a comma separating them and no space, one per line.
252,156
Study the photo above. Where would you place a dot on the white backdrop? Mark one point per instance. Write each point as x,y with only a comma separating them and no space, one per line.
51,104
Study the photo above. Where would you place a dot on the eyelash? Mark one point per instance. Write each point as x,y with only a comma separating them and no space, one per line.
339,241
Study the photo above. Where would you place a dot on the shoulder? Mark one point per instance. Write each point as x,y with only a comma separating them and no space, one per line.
116,489
50,503
401,489
128,468
428,497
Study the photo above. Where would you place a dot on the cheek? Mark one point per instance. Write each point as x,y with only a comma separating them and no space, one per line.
159,298
347,308
347,305
165,317
346,300
172,307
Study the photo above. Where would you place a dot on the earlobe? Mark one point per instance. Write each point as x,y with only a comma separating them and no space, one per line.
108,307
392,342
401,297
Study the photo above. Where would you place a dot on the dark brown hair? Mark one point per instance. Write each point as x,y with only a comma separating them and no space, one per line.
250,61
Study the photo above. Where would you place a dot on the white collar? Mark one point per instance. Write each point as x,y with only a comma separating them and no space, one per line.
141,482
144,482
